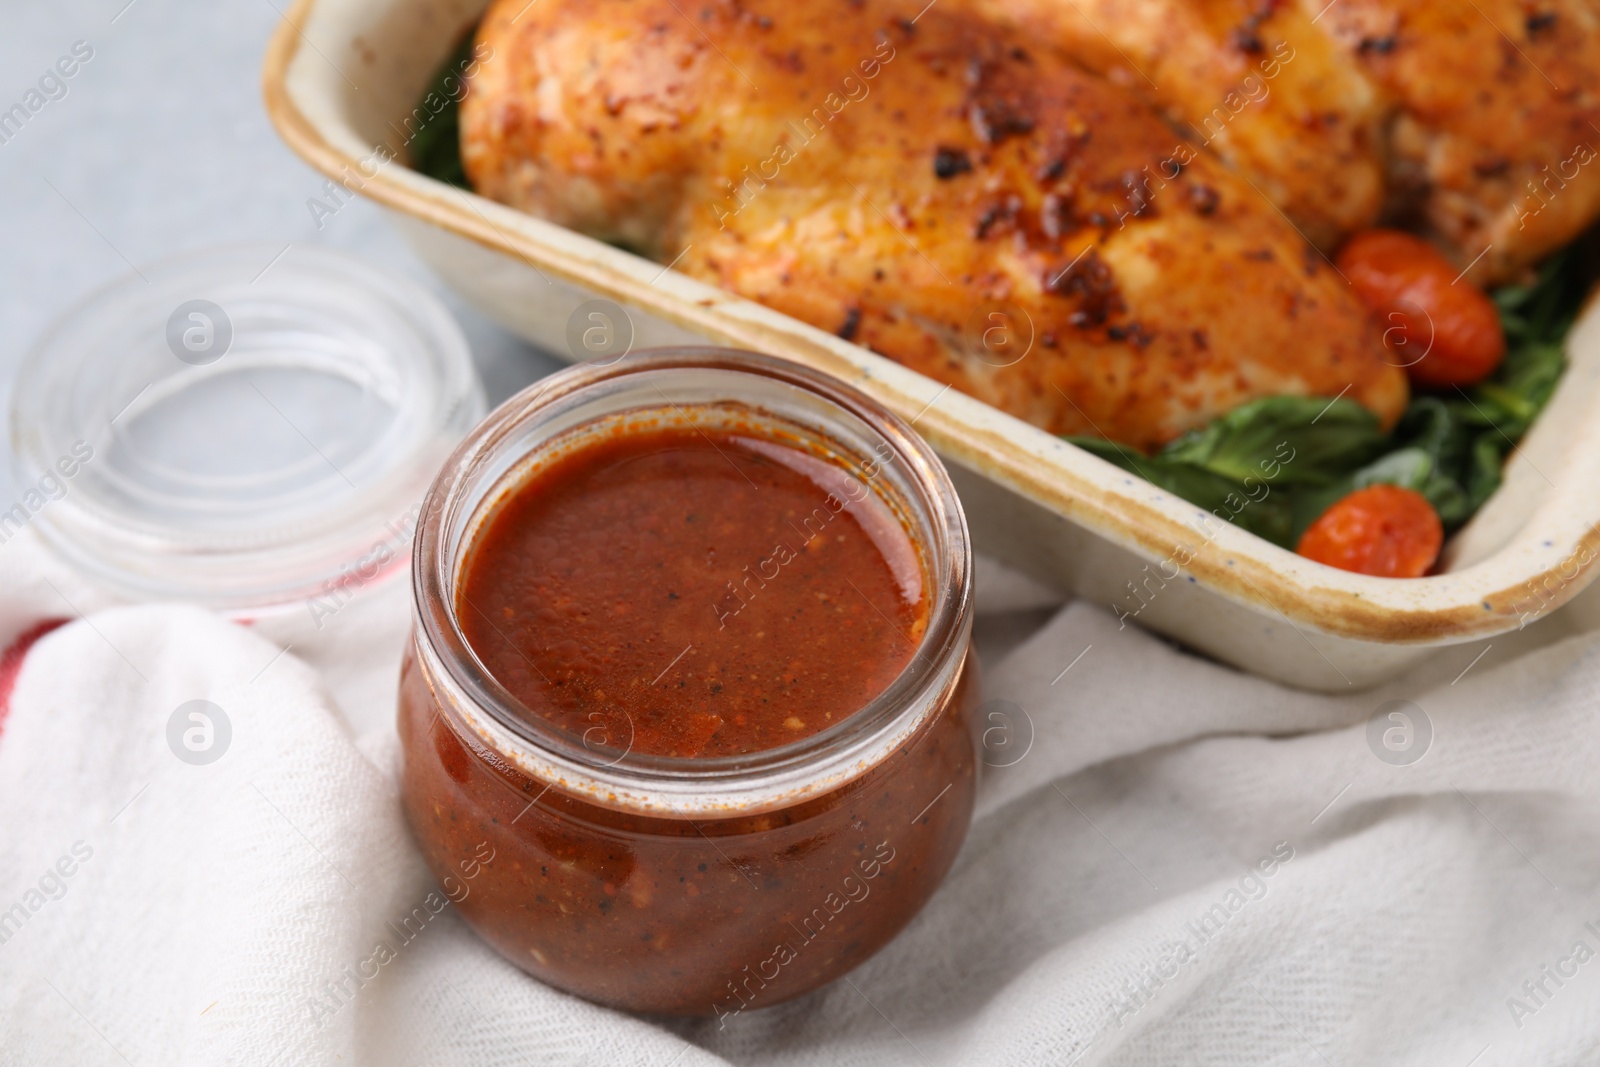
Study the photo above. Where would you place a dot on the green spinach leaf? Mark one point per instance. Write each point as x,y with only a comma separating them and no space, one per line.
1284,440
436,144
1256,506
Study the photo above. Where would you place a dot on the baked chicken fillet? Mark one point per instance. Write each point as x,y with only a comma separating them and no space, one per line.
1256,82
930,186
1495,122
1475,121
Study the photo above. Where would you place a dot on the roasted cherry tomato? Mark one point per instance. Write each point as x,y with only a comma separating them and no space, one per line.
1443,331
1382,530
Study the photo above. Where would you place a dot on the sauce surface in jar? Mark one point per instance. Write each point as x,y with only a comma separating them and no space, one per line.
692,592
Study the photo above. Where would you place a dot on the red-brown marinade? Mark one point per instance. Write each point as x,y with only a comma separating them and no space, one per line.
689,917
695,593
692,591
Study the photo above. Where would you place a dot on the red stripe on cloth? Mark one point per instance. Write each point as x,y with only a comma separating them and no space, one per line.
11,661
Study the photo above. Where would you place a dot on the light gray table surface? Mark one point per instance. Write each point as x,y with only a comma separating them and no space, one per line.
159,145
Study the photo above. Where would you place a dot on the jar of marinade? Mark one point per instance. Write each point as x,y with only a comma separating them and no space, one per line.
691,689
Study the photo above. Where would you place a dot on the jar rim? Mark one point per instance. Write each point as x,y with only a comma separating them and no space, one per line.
675,785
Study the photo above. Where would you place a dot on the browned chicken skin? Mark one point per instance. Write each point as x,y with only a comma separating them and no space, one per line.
1256,82
1476,121
1496,119
902,180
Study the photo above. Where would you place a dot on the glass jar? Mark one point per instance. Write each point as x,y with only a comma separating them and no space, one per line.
689,886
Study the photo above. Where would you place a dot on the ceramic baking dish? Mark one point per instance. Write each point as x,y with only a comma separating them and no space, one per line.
341,77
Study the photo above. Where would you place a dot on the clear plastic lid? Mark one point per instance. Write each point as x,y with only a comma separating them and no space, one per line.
241,427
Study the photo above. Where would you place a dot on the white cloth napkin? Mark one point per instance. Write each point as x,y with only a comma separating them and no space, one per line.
1172,863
